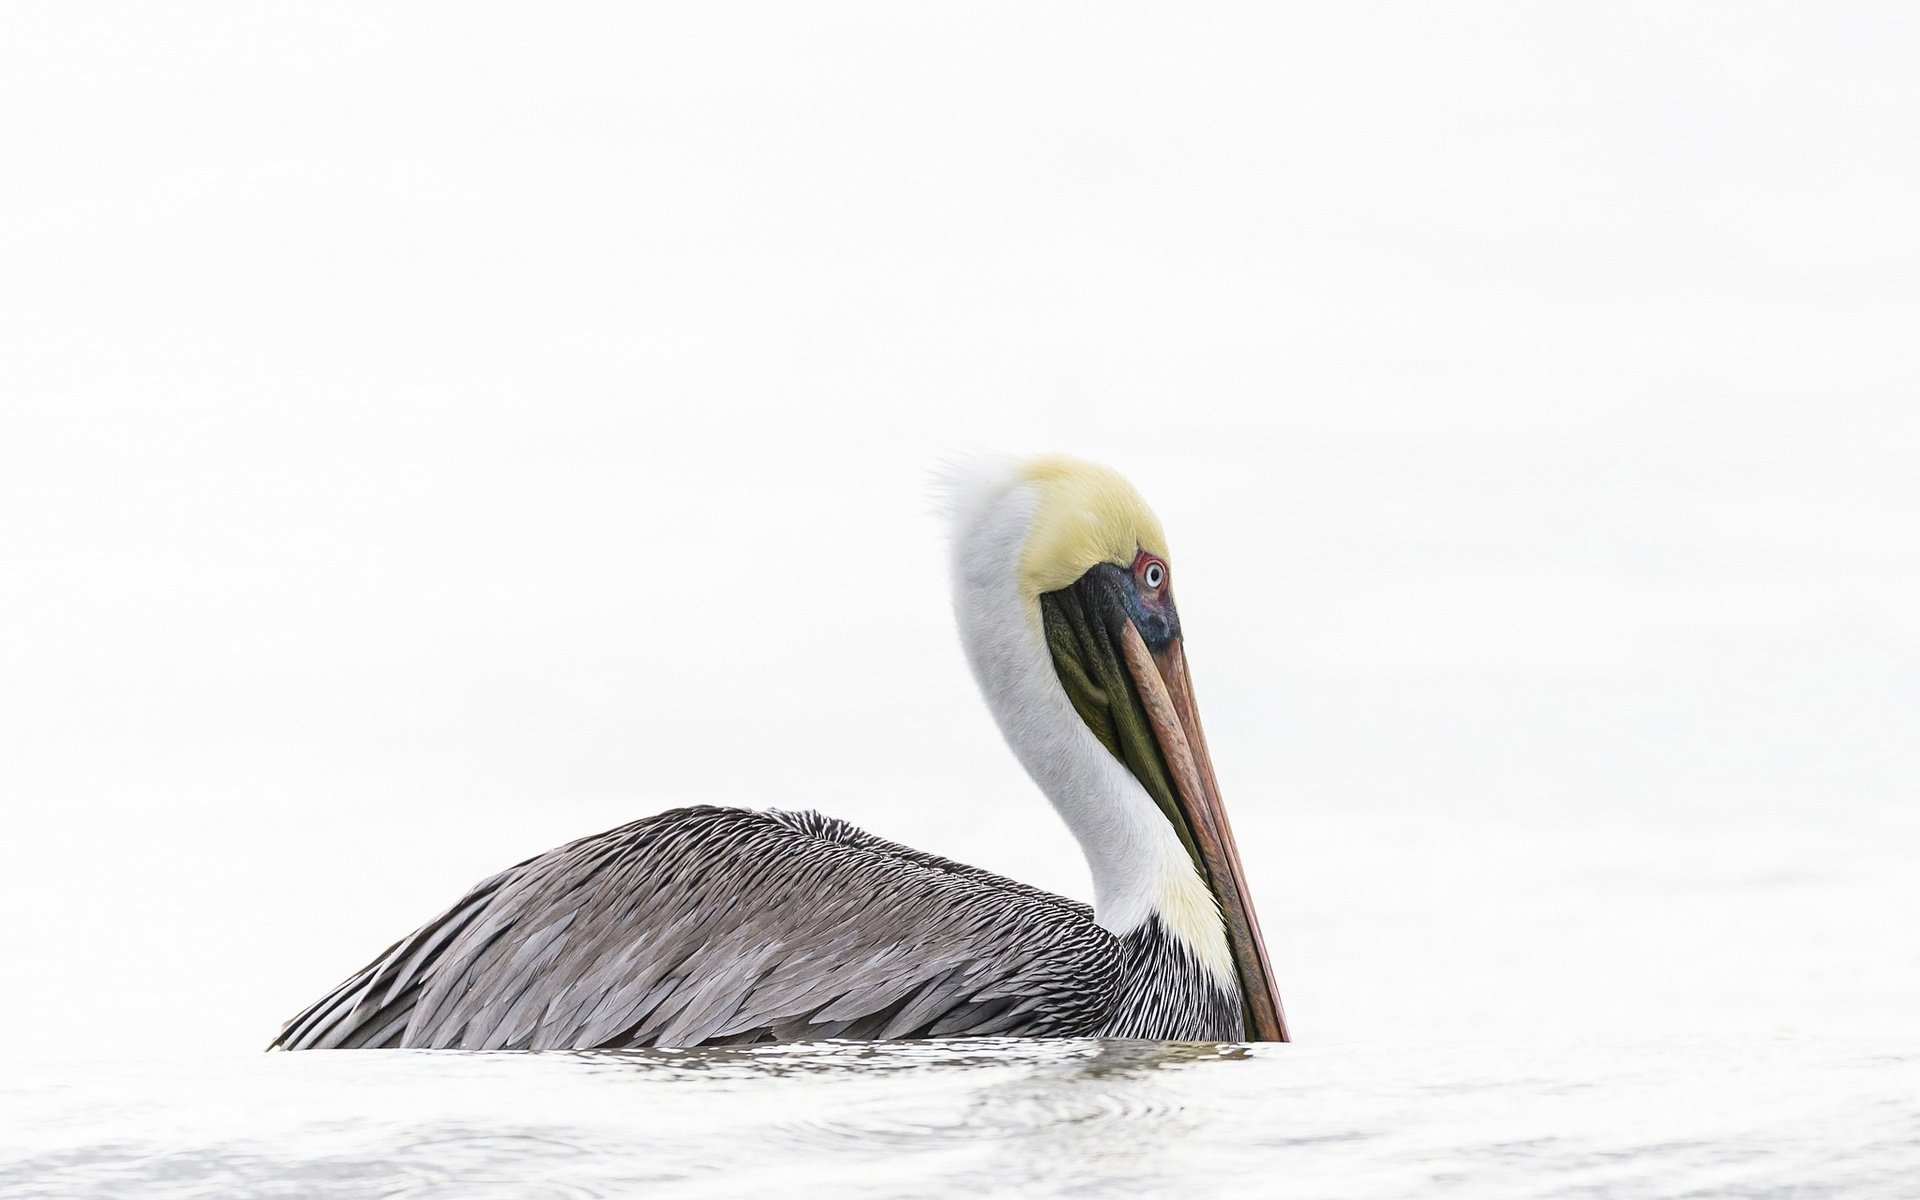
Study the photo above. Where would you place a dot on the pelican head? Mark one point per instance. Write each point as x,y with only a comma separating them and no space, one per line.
1063,586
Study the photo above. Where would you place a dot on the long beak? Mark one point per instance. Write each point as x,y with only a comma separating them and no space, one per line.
1166,692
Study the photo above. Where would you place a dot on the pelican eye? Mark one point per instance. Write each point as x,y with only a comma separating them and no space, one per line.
1154,574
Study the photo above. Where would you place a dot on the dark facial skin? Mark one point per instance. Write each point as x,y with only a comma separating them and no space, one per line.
1142,593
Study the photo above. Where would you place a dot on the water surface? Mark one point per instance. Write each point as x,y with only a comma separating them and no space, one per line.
1734,1117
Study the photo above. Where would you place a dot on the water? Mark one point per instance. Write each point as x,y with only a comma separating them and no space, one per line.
1767,1117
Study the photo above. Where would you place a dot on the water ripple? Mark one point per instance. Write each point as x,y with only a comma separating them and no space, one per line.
981,1118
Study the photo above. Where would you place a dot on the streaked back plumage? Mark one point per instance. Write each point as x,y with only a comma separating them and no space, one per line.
714,925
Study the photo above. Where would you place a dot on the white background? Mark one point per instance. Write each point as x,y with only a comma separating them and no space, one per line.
434,433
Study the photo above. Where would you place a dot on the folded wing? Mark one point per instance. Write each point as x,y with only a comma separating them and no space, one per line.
717,926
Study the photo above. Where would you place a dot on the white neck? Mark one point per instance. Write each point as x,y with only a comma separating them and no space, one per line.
1139,867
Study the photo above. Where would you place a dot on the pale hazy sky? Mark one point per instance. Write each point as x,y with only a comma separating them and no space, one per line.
432,433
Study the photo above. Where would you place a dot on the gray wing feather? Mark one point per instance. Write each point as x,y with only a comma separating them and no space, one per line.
719,925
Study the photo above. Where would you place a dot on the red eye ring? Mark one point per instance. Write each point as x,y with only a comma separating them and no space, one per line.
1153,573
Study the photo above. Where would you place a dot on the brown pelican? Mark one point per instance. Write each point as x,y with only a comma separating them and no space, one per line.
720,926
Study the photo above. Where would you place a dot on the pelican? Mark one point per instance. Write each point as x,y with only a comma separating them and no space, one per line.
723,926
